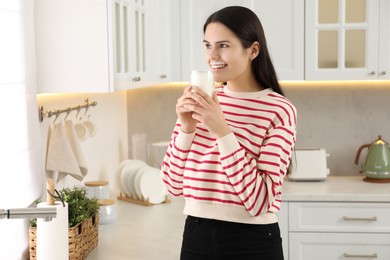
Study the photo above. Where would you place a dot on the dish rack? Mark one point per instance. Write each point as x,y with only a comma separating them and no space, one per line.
136,200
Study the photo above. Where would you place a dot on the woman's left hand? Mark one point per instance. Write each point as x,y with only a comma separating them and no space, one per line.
209,113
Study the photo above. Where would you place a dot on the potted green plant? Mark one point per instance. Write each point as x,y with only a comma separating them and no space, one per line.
83,221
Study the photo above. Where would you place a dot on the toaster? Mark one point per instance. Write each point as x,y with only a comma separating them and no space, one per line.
309,165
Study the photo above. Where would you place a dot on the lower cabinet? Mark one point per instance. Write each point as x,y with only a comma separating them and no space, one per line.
329,246
335,230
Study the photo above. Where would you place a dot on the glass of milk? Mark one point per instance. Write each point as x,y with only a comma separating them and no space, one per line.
203,79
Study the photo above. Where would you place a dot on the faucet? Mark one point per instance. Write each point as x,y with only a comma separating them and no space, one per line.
46,213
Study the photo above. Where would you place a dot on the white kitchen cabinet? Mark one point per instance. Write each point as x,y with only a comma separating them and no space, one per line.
284,32
283,226
337,246
193,16
102,45
347,39
338,230
285,35
142,43
74,46
339,217
384,40
342,217
164,30
131,38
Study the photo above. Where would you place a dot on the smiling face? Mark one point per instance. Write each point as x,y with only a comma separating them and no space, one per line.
228,59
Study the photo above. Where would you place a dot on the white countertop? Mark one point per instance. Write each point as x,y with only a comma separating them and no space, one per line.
155,232
142,232
337,188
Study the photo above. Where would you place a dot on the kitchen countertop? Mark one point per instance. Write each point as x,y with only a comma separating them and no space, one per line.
337,188
142,232
155,232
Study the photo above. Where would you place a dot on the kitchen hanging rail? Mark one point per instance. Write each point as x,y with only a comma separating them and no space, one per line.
57,112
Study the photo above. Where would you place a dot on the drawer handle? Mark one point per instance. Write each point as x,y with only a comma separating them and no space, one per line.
359,219
360,256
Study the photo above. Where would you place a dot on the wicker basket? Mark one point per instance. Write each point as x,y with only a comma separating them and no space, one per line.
82,239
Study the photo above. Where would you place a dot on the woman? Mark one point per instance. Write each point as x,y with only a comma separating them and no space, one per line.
229,152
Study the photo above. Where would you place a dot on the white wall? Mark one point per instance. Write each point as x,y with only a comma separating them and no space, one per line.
337,116
104,151
23,138
21,175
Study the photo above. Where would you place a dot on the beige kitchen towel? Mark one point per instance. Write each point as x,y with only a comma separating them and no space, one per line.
60,157
74,142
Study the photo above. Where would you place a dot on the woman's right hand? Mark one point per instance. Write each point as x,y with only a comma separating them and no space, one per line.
188,124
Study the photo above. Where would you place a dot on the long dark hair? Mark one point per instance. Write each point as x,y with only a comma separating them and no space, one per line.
247,26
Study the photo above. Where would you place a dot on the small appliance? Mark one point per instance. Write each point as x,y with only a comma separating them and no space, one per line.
376,165
309,165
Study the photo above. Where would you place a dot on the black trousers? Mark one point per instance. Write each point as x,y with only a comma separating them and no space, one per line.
206,239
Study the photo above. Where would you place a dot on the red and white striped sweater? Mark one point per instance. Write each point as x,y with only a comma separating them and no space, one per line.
238,177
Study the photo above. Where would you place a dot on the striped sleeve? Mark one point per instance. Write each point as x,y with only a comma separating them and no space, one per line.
275,156
258,181
174,160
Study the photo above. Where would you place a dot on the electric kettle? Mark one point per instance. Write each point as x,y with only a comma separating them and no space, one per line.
376,166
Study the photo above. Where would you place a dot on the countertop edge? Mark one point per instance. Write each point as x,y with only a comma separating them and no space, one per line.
336,189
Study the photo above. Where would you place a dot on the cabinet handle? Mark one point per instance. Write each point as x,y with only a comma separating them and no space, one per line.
359,219
163,76
137,79
372,73
383,73
361,256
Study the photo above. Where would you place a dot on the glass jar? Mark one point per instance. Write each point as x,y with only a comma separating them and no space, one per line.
97,189
107,211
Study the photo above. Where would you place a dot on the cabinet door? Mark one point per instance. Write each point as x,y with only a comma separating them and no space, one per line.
130,43
175,38
142,43
341,39
73,46
337,246
284,31
339,217
193,16
161,19
384,40
283,225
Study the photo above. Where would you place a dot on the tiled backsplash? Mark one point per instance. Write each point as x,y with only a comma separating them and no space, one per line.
337,116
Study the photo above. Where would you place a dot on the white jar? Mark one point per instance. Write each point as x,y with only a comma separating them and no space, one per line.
107,211
97,189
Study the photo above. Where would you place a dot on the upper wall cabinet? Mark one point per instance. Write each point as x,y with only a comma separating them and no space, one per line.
163,30
101,45
283,24
384,40
73,46
193,15
142,43
284,32
347,39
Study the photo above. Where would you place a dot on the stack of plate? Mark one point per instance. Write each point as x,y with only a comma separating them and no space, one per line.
140,181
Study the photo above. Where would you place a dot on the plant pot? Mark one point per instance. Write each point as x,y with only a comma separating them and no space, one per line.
83,237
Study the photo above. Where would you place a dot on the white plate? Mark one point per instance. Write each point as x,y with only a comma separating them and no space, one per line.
124,175
152,186
130,183
137,181
130,168
118,175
